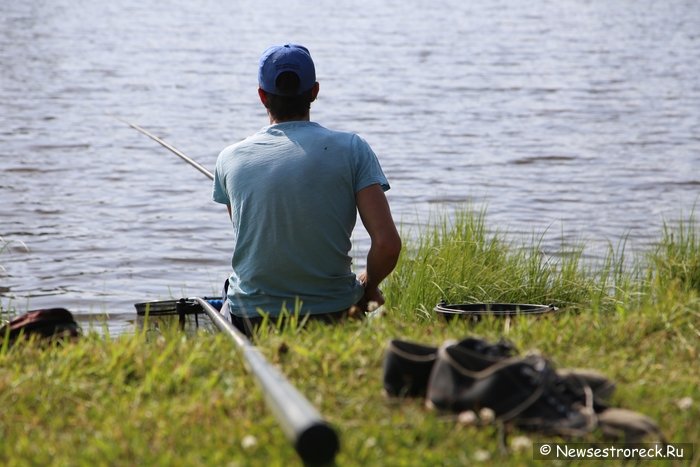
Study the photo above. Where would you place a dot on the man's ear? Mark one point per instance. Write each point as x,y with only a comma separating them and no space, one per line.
263,96
314,91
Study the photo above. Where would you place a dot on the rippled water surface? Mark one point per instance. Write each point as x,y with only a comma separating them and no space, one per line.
576,119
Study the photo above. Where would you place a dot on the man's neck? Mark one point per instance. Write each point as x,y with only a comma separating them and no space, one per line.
274,121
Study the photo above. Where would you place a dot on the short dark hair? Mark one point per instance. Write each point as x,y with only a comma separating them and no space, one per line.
290,105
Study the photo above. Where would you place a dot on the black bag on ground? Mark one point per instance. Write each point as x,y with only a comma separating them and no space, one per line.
45,323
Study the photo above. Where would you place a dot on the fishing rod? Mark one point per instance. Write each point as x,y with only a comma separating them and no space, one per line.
313,438
171,148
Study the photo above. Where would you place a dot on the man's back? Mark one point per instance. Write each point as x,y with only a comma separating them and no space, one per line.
291,188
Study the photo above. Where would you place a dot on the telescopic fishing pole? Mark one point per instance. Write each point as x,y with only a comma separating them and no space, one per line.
171,148
314,439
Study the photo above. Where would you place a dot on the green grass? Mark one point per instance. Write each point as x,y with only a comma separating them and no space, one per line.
171,398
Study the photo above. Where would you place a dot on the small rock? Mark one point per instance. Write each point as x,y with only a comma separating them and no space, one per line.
468,418
487,415
249,441
370,442
685,404
520,443
481,455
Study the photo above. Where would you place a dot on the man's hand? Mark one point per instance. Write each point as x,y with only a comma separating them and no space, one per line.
362,278
373,296
385,243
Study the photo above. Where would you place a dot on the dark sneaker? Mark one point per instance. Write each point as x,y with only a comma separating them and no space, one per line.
632,427
566,407
517,389
464,380
407,365
479,355
576,381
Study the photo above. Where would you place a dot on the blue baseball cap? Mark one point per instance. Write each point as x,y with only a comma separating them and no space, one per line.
288,57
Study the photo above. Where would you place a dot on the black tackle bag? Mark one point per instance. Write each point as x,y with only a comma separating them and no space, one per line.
46,323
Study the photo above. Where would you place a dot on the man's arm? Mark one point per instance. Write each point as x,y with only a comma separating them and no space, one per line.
385,244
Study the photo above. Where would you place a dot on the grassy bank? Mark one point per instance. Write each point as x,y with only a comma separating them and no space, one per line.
168,398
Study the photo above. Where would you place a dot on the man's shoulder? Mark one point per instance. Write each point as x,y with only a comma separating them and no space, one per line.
231,148
349,137
333,131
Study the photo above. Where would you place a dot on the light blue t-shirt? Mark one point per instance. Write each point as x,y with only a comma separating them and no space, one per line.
291,187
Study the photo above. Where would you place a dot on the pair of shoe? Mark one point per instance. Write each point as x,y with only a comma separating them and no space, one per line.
474,375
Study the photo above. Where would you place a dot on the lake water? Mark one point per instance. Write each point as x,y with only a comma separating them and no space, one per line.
578,120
